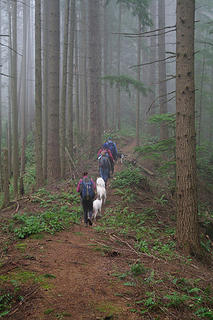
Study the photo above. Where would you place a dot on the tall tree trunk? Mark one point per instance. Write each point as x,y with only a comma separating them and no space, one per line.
164,134
95,74
14,100
186,178
45,87
53,159
118,99
0,115
152,70
64,89
105,52
84,123
38,96
9,132
138,92
201,96
77,104
24,99
70,123
6,179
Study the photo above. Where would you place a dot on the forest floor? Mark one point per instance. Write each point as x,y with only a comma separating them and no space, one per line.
92,273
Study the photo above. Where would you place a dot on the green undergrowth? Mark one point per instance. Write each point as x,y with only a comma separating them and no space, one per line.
148,237
129,177
15,285
57,212
159,293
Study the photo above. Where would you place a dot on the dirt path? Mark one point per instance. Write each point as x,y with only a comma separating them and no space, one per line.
85,274
79,270
81,283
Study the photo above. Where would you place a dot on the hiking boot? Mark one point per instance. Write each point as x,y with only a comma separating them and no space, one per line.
90,221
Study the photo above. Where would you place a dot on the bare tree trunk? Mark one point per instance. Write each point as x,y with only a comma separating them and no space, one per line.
77,84
95,75
118,104
106,38
6,179
201,97
9,132
14,100
38,95
23,83
164,134
45,88
112,115
152,70
53,159
138,92
64,89
84,123
70,140
186,177
0,139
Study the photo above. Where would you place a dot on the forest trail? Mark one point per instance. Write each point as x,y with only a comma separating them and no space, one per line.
84,273
79,267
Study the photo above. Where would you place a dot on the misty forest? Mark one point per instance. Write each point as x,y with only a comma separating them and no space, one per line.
75,74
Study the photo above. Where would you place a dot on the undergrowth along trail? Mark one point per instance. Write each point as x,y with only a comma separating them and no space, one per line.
125,267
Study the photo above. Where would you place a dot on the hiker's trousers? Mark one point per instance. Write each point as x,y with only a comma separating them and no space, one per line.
87,208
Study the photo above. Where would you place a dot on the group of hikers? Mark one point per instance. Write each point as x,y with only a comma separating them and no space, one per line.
107,155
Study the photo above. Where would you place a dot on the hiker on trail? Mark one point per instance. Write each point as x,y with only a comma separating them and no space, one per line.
104,165
86,187
108,153
113,148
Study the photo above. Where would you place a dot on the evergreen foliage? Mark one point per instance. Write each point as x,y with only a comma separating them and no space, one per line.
125,82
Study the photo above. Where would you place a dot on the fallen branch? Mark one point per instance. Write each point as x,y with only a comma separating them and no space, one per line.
147,171
72,162
17,207
138,253
25,298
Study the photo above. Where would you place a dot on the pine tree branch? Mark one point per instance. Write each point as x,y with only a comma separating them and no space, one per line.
147,63
151,35
164,95
5,75
146,32
4,45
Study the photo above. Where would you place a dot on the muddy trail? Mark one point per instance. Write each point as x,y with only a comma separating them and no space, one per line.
78,268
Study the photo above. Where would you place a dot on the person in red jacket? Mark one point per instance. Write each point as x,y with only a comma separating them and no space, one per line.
105,169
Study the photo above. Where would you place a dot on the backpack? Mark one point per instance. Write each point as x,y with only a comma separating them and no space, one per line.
112,148
104,161
87,189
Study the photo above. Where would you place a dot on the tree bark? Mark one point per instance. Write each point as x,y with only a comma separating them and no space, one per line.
164,134
53,159
70,123
38,96
0,116
14,100
45,88
77,104
186,177
23,94
152,69
64,89
105,52
200,109
118,99
95,75
6,179
138,92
